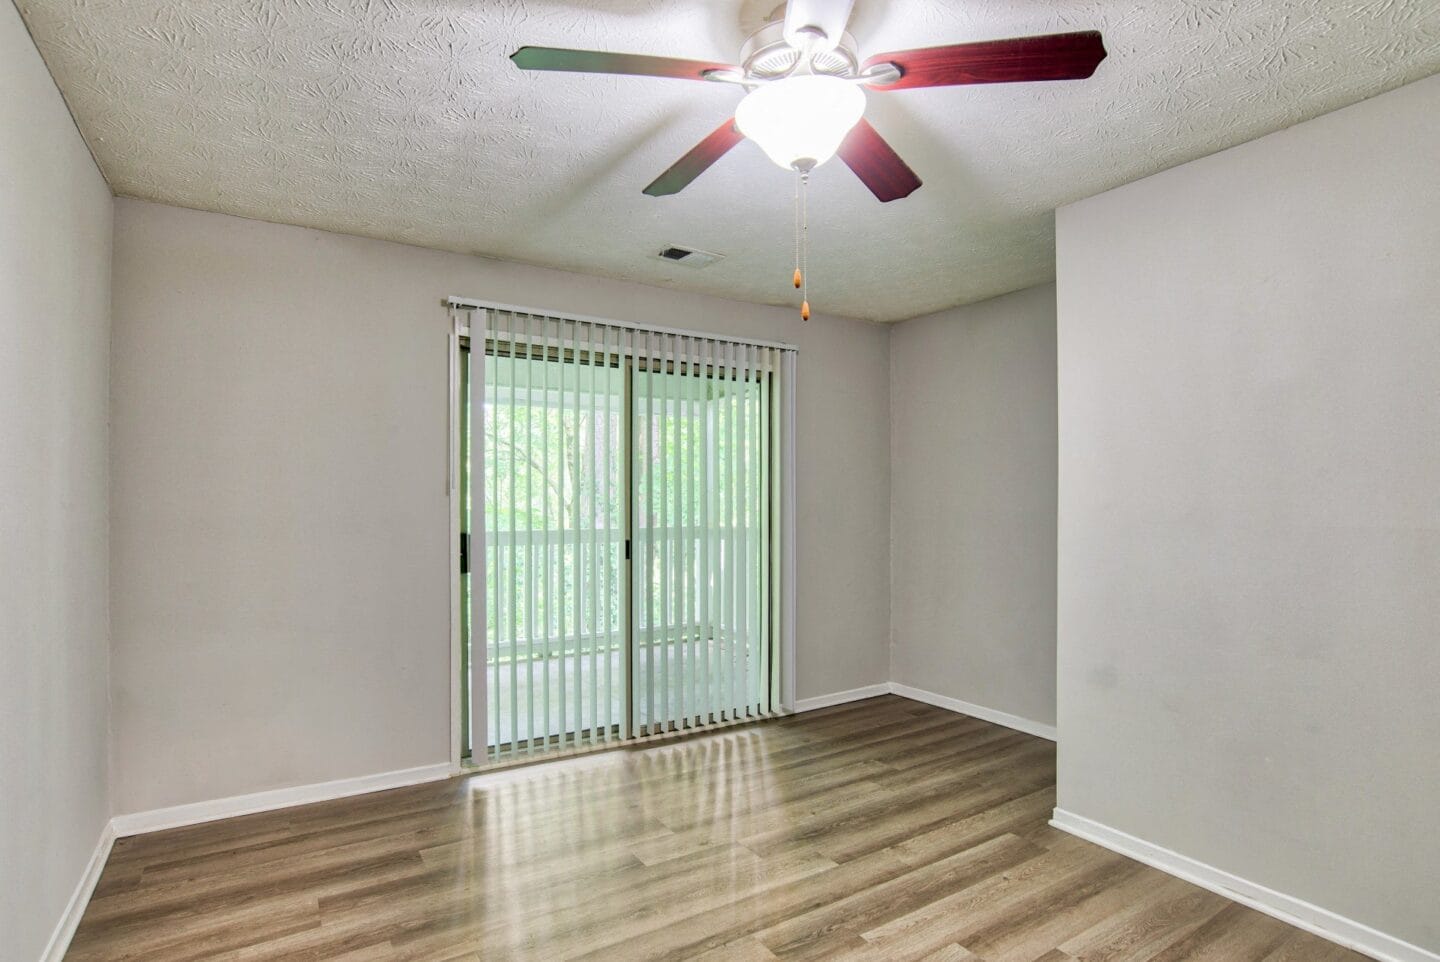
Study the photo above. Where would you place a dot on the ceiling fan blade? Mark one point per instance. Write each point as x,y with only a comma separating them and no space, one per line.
1056,56
697,161
603,61
876,164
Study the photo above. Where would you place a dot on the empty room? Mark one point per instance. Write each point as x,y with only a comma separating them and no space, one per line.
633,480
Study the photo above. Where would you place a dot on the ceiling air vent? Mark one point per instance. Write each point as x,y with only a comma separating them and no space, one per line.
689,256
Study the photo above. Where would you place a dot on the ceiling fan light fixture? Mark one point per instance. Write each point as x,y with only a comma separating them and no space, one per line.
800,121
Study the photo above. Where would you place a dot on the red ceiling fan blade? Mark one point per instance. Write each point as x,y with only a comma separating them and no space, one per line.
697,161
1057,56
876,163
603,61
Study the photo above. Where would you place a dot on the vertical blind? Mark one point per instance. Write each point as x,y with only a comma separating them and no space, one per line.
637,496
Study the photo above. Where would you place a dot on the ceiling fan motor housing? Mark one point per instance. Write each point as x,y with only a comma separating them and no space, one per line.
767,55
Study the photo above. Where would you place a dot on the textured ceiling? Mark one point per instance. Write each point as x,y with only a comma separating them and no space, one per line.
403,119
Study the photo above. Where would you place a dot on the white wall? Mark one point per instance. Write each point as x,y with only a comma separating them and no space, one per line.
54,347
972,504
280,560
1249,520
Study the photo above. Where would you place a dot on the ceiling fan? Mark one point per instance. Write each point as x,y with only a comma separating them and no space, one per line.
804,101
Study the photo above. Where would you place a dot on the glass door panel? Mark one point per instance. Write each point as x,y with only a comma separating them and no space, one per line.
701,532
553,426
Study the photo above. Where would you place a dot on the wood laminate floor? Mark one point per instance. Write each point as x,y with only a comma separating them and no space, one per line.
884,829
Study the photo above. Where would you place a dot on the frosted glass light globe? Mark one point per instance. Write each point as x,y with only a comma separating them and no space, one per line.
800,121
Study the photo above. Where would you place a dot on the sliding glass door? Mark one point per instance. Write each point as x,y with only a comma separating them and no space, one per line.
628,493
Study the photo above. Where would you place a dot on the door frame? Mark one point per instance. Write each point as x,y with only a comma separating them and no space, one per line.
457,335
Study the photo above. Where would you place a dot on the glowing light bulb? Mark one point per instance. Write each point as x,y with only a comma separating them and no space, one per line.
800,121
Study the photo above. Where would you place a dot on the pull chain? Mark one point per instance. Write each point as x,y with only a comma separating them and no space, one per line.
798,275
804,270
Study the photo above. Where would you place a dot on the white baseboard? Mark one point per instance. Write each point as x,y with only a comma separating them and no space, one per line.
930,698
841,697
1287,908
194,813
978,711
80,898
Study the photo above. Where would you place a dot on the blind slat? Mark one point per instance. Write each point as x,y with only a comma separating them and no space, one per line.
550,622
512,568
593,567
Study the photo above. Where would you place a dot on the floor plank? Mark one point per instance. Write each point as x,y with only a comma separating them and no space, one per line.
883,829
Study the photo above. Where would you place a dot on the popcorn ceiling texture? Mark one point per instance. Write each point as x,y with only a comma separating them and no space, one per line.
404,120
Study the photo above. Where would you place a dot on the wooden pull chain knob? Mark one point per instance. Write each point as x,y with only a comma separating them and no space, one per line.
804,310
798,279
